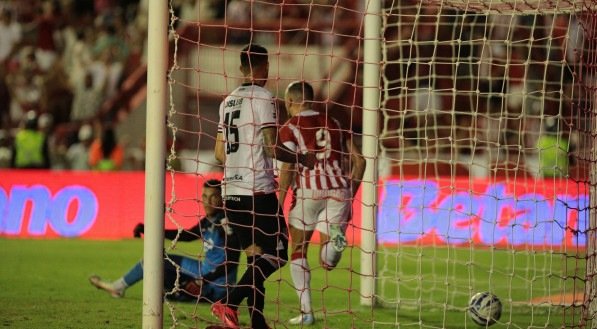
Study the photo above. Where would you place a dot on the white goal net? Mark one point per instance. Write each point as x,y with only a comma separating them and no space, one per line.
485,162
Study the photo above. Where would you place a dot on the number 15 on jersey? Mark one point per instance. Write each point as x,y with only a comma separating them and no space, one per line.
232,135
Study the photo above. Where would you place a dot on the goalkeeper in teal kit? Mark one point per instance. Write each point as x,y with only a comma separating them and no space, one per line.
208,279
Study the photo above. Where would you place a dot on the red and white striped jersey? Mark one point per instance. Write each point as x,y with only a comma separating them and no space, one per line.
312,131
248,169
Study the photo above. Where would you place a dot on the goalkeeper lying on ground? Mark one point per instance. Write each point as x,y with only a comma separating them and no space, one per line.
208,279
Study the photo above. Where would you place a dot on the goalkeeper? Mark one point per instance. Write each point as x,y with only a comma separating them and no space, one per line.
322,195
208,279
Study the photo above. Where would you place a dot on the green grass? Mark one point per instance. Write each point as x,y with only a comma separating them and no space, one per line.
44,285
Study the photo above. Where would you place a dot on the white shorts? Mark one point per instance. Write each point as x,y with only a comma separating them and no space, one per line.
317,209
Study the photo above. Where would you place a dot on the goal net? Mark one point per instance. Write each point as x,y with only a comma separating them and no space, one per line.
485,166
473,91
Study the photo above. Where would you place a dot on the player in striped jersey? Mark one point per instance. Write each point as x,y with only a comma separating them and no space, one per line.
247,144
322,195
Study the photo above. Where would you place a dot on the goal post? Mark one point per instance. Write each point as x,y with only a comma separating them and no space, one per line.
154,210
371,104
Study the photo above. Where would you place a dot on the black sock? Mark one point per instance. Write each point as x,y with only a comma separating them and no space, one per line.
251,286
256,302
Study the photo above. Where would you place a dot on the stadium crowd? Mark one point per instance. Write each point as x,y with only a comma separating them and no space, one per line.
59,61
507,88
63,60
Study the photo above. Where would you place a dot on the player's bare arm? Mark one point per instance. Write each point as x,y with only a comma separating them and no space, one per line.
287,173
282,153
220,151
358,165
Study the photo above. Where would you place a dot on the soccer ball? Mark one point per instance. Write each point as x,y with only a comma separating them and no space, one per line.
485,308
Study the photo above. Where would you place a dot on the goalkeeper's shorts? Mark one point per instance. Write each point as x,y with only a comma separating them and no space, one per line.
210,291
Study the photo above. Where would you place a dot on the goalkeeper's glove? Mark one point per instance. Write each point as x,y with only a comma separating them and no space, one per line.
193,287
138,230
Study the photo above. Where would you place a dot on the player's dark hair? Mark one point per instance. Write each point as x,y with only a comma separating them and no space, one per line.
253,55
302,88
213,183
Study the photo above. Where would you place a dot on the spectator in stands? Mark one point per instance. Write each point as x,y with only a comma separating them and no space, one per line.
423,113
110,38
83,10
553,150
88,98
27,61
5,149
103,7
30,146
57,95
10,35
135,156
25,85
106,154
4,100
45,26
218,8
107,72
77,56
56,151
77,155
238,12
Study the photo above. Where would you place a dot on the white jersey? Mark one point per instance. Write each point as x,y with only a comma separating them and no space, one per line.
248,169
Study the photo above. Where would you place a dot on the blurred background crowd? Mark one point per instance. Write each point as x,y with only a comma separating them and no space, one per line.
66,66
63,64
59,62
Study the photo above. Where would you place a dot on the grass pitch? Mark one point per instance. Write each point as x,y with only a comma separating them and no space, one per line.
44,284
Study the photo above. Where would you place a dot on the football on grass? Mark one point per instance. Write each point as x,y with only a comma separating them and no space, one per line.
485,308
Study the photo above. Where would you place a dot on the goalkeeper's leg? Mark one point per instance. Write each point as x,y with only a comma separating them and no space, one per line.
118,287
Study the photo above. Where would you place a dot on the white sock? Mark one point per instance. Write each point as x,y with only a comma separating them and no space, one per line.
119,285
301,277
329,255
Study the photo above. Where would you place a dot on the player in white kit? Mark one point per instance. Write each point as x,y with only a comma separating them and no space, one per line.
323,194
246,144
